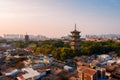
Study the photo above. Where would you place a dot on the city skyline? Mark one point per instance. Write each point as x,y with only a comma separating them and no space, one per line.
56,18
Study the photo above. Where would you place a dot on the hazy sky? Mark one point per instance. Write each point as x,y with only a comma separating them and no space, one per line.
56,18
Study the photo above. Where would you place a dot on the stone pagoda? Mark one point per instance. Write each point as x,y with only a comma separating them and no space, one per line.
75,40
27,38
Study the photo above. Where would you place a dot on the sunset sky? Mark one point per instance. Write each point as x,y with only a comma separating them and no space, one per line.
56,18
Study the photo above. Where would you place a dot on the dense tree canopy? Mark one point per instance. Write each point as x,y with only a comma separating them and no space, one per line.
62,51
90,48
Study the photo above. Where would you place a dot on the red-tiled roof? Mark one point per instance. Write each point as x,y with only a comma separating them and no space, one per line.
89,71
20,77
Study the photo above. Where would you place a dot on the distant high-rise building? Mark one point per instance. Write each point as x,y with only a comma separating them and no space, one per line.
21,37
75,39
27,38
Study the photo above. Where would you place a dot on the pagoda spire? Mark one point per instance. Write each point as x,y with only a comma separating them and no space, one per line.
75,27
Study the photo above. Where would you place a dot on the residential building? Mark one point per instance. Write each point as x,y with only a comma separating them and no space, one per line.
85,73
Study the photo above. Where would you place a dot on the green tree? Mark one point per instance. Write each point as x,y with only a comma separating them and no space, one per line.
46,49
33,47
37,51
56,53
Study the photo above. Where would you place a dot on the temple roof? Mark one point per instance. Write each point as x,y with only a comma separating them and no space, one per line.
75,30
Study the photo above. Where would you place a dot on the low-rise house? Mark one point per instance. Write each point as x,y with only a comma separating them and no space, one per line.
85,73
116,73
13,73
68,68
104,57
101,72
113,54
29,74
74,78
36,66
5,78
2,55
118,61
110,62
48,59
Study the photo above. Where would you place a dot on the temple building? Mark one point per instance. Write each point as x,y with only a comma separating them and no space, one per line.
75,40
27,38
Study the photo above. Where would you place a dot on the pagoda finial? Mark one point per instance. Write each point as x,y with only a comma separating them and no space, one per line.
75,27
